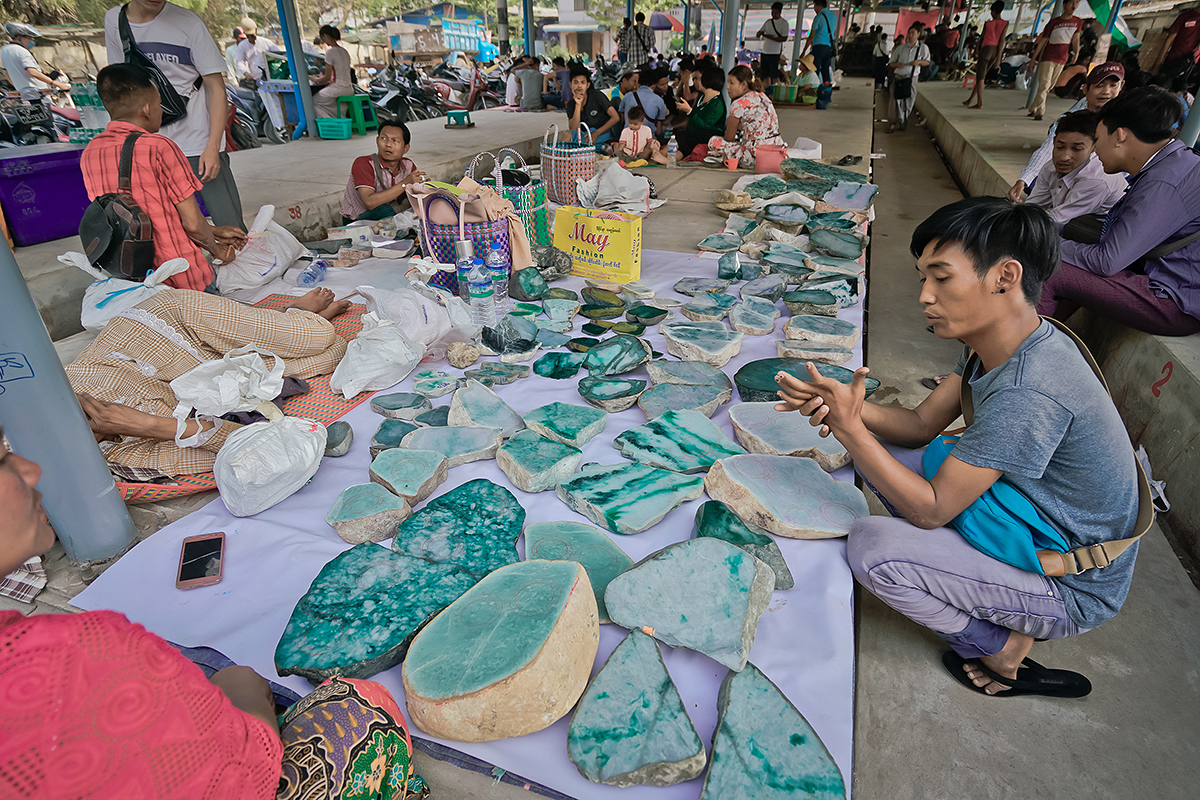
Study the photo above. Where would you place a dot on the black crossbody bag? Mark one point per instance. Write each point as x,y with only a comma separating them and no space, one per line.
117,234
173,105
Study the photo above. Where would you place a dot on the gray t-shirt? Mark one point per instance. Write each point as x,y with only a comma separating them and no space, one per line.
1045,420
531,88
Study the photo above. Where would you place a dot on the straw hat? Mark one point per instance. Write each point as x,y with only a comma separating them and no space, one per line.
808,63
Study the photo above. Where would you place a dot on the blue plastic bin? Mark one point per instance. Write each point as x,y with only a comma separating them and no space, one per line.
41,191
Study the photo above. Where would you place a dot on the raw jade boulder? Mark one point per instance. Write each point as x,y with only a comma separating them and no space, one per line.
474,526
574,541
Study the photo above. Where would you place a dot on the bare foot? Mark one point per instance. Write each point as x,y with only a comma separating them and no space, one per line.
967,102
1005,663
977,105
315,301
334,309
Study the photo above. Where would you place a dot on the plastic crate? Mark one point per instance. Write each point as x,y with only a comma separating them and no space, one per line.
42,192
334,127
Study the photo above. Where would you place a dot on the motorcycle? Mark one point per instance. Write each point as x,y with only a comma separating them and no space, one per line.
24,123
464,92
252,119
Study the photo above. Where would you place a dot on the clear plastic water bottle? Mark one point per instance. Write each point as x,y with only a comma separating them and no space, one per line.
498,265
464,254
672,153
311,275
483,302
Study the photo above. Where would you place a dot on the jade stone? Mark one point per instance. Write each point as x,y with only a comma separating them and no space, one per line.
338,438
813,351
695,286
720,243
770,287
528,284
761,429
526,308
788,259
840,244
401,405
823,263
631,328
716,521
787,496
786,214
646,315
681,441
751,270
560,309
409,473
754,316
709,307
559,366
710,342
627,498
695,373
390,433
844,288
435,387
852,195
474,526
512,334
430,374
594,295
583,544
459,445
703,594
594,329
362,611
582,344
756,379
438,417
611,394
764,749
666,303
366,512
536,464
477,405
703,398
639,290
615,356
484,380
498,372
559,293
630,726
811,301
729,266
789,273
557,326
601,312
570,424
813,328
548,338
819,169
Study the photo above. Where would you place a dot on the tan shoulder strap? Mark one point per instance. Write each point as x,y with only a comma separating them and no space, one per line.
1095,556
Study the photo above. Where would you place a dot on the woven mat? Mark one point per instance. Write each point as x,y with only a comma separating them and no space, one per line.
320,403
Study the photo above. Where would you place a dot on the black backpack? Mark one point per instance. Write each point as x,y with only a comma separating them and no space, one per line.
117,234
174,107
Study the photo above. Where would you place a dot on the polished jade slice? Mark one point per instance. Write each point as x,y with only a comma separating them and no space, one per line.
409,473
630,726
549,338
594,329
528,284
646,315
813,351
627,498
664,397
401,405
362,611
729,266
709,307
764,749
695,373
786,213
511,334
477,405
823,263
852,195
594,295
823,329
695,286
558,365
499,373
574,541
435,387
458,444
338,438
811,301
391,432
710,342
716,521
842,287
819,169
559,293
437,417
703,594
787,496
366,512
620,354
536,464
720,243
840,244
756,379
762,429
681,441
770,287
560,309
595,311
611,394
474,526
581,344
570,424
754,316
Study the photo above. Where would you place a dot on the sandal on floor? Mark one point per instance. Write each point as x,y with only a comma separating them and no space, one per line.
848,161
1032,679
934,382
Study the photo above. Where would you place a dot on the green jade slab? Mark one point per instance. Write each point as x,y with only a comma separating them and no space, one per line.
681,441
754,316
813,351
573,425
401,405
573,541
528,284
597,296
823,263
559,293
786,496
559,309
715,520
664,397
362,611
391,432
769,287
594,329
477,405
630,726
366,512
557,326
710,342
819,169
536,464
843,287
811,301
694,286
559,366
410,474
627,498
617,355
763,748
338,438
499,373
756,380
709,307
548,338
786,214
592,311
695,373
581,344
703,594
458,444
840,244
435,387
474,526
437,417
825,330
611,394
761,429
646,315
720,243
729,266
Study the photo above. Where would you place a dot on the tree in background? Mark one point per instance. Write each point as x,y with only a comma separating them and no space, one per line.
39,12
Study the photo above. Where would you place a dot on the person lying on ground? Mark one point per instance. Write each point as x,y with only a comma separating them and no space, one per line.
95,688
646,99
752,120
588,106
637,142
1144,271
1043,426
161,181
1074,183
1103,84
706,118
378,184
123,377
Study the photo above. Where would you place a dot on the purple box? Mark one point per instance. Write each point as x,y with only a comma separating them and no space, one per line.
41,191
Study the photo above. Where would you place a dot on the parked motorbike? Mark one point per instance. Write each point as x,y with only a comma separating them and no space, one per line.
252,117
463,91
24,123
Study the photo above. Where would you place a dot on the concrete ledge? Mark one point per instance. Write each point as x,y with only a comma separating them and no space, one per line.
970,163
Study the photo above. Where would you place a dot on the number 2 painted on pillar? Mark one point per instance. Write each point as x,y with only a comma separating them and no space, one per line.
1168,368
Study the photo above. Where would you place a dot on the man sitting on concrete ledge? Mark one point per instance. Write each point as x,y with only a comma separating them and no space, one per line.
1044,431
1074,183
377,183
1145,270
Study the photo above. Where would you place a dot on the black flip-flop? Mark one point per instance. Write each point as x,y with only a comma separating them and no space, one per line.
849,160
1032,679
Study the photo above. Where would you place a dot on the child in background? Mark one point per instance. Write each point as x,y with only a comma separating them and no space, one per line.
1074,183
637,140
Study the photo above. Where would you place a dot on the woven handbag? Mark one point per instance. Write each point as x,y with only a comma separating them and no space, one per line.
564,163
527,194
438,238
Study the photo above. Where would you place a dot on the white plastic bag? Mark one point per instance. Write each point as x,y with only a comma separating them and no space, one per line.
109,296
379,357
269,251
420,318
238,382
261,464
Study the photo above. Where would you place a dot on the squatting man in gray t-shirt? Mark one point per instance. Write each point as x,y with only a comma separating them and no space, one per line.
1043,423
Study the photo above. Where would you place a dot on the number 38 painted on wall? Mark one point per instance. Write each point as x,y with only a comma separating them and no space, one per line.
294,212
1168,369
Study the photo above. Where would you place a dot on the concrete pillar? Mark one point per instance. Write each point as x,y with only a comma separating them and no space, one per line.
44,423
298,66
687,25
530,25
1191,127
502,26
729,40
800,8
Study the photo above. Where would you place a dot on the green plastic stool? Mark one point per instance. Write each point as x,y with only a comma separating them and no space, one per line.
363,121
459,119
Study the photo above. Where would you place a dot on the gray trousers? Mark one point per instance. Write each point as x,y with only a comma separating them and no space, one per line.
220,195
900,109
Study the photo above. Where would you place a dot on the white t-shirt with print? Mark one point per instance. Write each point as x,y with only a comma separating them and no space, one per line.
16,60
179,43
775,27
